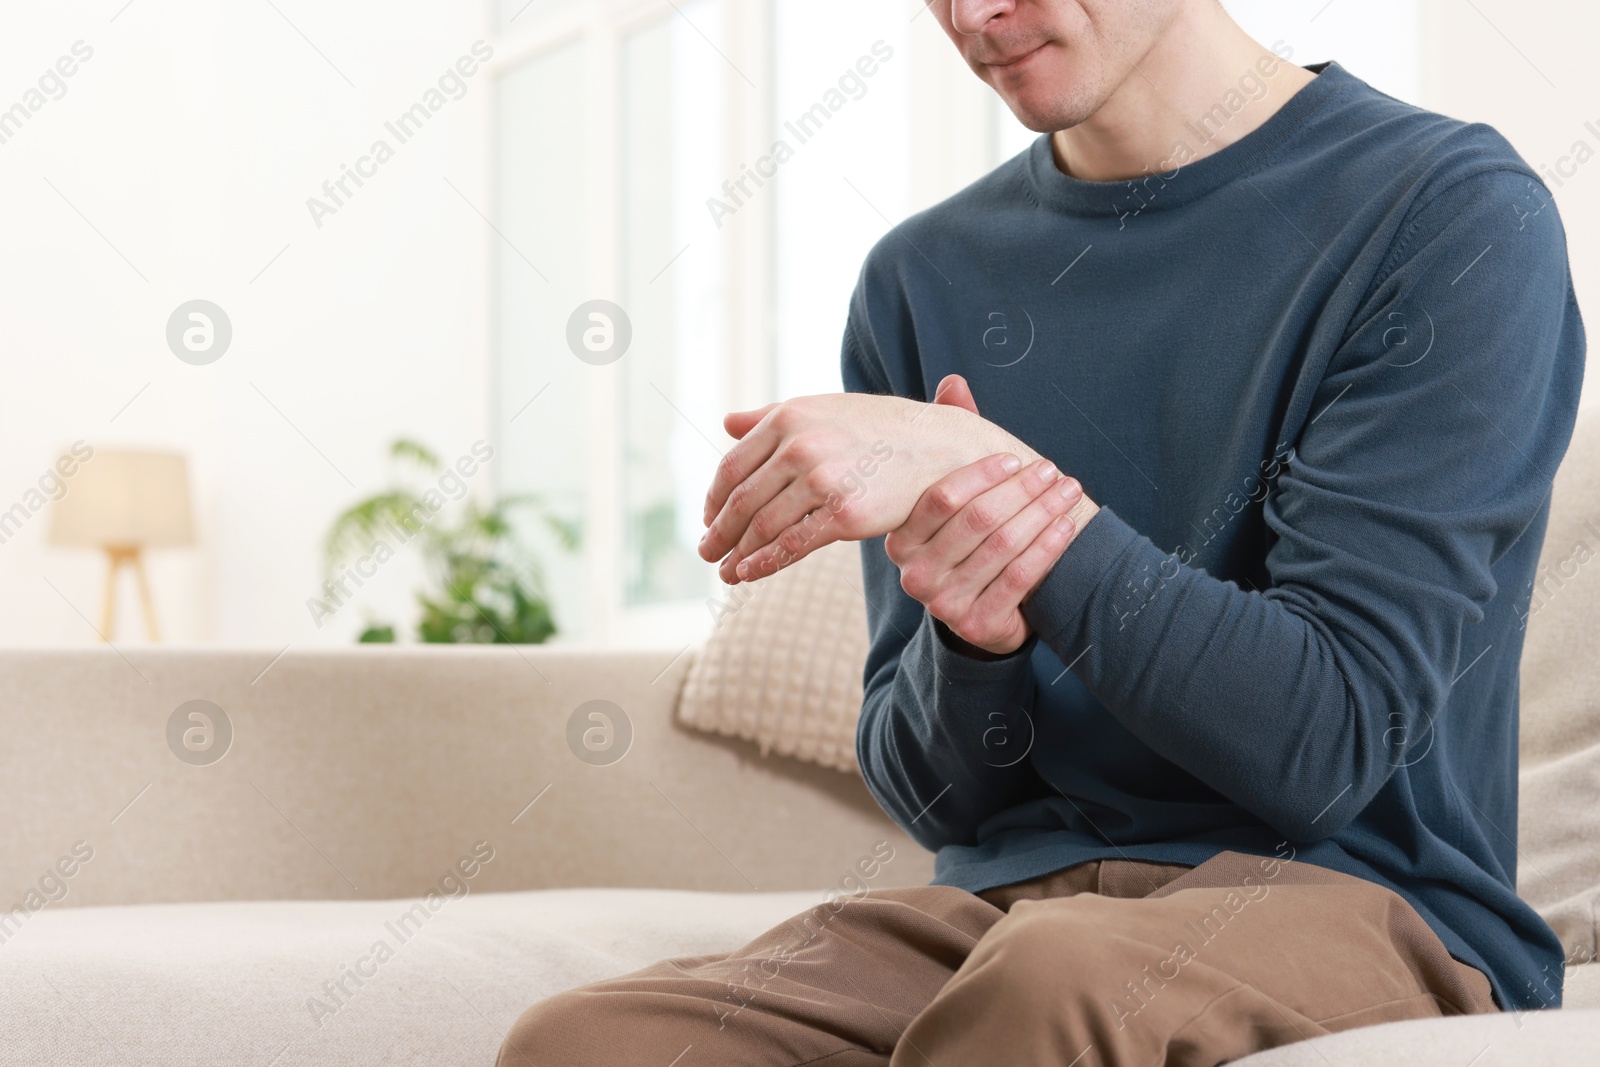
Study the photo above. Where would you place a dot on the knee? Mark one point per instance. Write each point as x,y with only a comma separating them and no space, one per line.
1055,952
1046,977
550,1033
1063,934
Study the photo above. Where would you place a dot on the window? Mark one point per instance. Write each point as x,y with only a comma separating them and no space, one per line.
612,126
847,182
541,266
671,394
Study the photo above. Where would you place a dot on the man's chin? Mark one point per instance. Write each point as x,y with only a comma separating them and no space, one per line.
1042,116
1045,105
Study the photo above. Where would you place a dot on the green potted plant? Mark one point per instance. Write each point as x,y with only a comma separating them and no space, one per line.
485,585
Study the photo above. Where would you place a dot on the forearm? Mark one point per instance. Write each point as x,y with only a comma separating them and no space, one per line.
944,734
1280,708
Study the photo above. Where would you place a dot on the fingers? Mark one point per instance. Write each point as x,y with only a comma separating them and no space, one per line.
742,501
944,498
771,521
739,464
949,574
980,541
987,528
990,616
794,544
1018,580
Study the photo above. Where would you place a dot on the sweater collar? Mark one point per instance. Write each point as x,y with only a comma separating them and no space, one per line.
1186,182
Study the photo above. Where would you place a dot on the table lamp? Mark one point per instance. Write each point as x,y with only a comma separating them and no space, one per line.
124,503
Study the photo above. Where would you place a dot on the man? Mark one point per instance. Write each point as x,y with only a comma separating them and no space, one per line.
1194,603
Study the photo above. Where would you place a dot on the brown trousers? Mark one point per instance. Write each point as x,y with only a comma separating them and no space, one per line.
1111,963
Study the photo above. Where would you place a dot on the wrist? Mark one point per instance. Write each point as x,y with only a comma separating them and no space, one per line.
975,437
994,439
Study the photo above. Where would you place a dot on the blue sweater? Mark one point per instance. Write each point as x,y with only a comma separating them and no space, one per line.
1319,382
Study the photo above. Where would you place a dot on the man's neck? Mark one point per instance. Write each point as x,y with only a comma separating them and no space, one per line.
1177,104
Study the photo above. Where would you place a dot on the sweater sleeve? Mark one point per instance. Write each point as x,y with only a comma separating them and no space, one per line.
1428,449
944,730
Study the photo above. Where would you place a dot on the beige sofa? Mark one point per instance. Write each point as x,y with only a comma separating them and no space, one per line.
220,898
434,802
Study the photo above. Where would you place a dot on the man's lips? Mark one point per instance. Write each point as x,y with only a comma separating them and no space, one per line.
1015,60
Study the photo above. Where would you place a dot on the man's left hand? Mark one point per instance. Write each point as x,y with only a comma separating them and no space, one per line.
981,540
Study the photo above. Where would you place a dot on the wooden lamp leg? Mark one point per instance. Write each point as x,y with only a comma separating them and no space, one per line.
144,596
130,556
115,555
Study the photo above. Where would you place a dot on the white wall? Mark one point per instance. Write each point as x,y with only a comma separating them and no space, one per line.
191,140
1376,40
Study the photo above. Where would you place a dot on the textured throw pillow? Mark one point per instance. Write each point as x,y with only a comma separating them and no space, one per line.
1558,869
783,666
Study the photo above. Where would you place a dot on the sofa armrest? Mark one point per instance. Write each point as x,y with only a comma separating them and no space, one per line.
368,772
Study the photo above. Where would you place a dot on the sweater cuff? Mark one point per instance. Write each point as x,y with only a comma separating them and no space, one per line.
952,645
1059,602
981,673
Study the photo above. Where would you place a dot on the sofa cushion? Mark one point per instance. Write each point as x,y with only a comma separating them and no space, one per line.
1528,1039
783,666
1558,869
241,983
